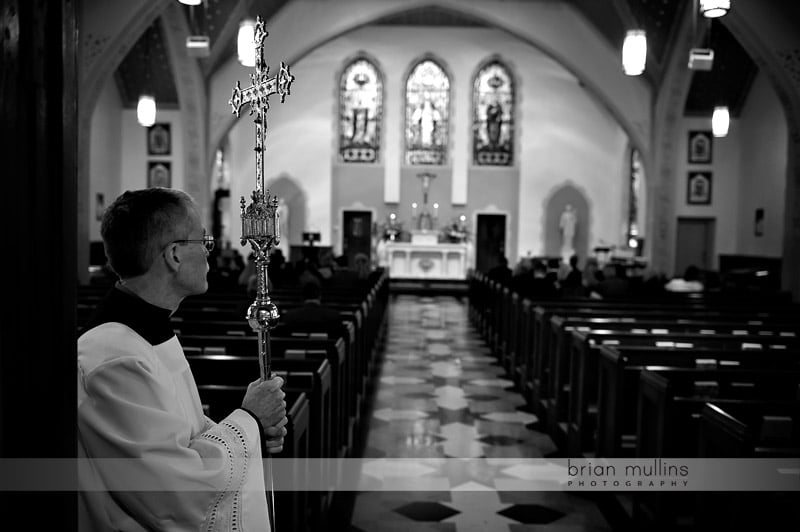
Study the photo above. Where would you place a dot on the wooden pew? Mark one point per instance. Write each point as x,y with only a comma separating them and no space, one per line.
552,321
576,360
315,349
313,377
752,429
618,383
763,429
222,320
671,399
583,418
669,406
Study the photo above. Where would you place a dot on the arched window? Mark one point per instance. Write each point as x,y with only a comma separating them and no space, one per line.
635,184
427,114
493,116
360,112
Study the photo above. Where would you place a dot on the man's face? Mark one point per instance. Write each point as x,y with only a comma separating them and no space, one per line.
191,276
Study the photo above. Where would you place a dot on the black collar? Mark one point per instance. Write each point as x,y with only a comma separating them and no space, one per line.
149,321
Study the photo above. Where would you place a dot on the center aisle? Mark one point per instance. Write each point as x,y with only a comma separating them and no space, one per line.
441,395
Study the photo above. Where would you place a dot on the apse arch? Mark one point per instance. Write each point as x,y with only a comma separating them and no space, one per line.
627,100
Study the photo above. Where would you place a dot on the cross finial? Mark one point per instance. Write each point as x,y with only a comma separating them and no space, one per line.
257,97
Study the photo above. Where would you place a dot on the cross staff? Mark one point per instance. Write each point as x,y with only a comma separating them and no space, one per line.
260,226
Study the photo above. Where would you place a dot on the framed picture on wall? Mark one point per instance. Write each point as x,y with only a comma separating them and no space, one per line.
700,147
159,139
698,188
159,174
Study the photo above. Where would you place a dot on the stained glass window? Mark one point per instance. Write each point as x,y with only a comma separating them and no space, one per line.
493,116
427,114
634,191
360,112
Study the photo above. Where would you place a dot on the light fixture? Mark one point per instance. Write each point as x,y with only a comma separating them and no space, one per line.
146,110
634,52
701,59
720,121
714,8
190,2
245,42
198,46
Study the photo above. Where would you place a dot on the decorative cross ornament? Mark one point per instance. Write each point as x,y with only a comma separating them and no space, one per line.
260,223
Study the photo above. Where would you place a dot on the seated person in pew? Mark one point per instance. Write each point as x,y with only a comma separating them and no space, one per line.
137,398
690,282
615,283
312,316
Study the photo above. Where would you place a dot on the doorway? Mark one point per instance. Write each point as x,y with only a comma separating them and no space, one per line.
357,236
695,244
490,241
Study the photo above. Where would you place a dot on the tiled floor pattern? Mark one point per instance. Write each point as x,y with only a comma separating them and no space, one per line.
441,395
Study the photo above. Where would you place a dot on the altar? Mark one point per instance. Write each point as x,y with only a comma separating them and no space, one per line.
425,258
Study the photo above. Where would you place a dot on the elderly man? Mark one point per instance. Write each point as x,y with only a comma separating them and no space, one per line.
137,399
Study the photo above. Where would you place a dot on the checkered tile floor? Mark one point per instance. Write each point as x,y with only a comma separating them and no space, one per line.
441,395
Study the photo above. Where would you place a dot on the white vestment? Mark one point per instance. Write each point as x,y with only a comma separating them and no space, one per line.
179,470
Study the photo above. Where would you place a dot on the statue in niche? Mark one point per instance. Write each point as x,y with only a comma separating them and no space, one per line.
567,224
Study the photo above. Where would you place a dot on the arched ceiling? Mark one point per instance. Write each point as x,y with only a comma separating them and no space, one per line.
146,67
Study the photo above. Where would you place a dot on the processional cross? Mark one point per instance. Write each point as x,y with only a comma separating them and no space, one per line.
260,219
260,224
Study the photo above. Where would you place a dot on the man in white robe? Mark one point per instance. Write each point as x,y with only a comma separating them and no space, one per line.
153,460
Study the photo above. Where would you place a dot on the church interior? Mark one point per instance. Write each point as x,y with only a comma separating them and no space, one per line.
434,166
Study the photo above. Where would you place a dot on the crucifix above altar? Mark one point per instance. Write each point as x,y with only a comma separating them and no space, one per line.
426,221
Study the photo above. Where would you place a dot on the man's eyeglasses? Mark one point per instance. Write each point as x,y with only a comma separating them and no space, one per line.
207,241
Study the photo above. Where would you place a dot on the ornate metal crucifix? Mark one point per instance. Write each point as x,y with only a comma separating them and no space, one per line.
260,225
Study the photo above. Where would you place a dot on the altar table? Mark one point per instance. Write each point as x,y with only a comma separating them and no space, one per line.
409,260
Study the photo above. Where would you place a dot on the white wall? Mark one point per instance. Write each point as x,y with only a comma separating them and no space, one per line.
104,161
763,171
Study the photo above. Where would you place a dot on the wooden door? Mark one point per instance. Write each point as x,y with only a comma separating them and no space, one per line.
490,241
694,244
356,237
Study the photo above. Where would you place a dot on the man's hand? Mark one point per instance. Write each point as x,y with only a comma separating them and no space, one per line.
274,436
265,400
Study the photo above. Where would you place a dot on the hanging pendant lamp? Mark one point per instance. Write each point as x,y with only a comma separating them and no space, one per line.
634,52
245,43
720,121
714,8
146,110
